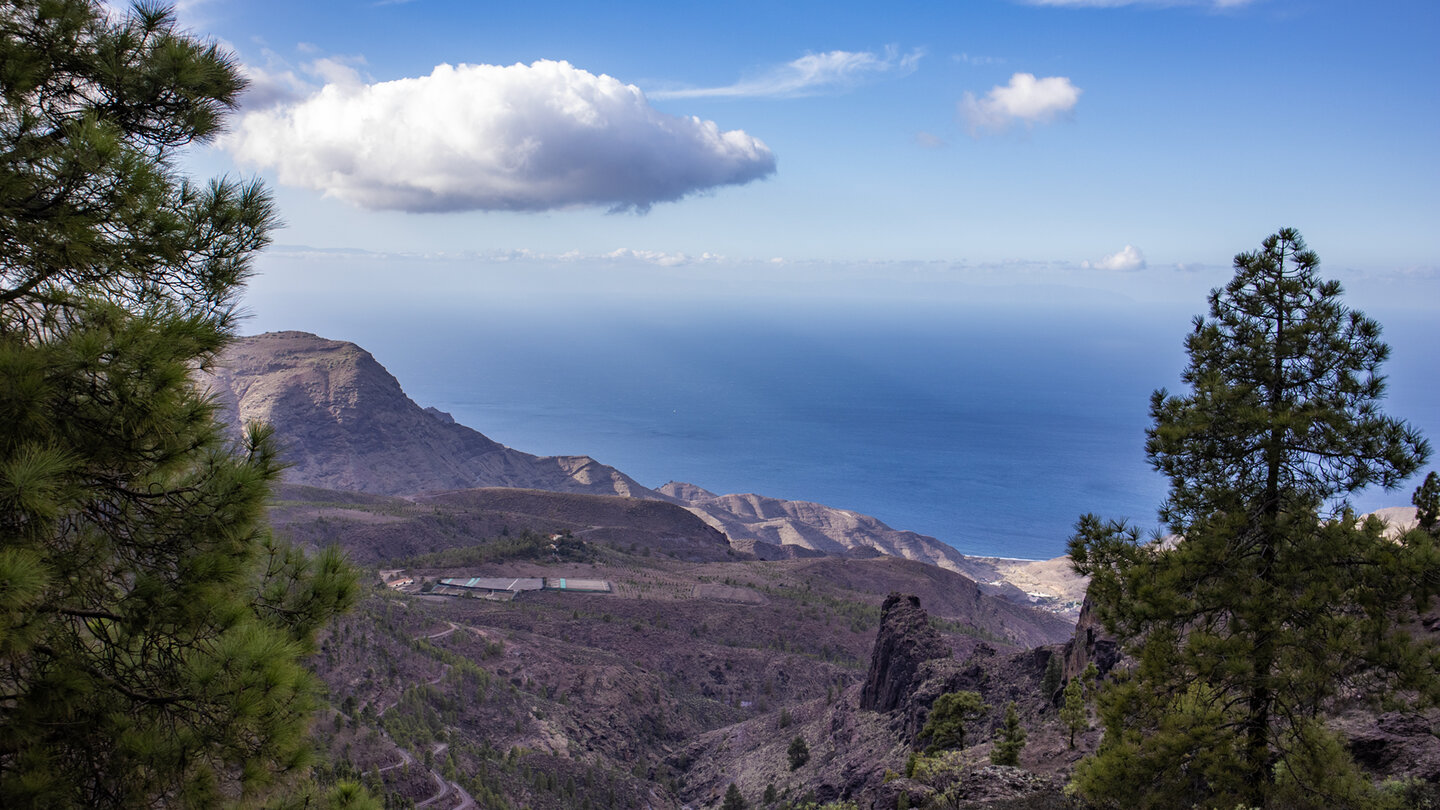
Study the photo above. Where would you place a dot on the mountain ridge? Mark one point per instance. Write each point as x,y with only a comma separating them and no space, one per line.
345,423
339,413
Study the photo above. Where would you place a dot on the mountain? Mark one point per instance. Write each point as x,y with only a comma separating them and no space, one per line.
374,529
772,528
345,423
750,520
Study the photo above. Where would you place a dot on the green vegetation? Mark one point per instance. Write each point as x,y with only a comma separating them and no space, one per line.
1276,603
945,728
1075,714
733,799
798,752
1054,673
941,770
1009,739
1427,503
151,629
528,545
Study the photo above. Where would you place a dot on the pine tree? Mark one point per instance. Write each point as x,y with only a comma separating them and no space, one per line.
1075,715
945,727
1050,683
1275,602
733,799
1009,739
151,630
798,753
1427,502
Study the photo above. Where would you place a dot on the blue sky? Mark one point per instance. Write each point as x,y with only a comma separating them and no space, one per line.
1097,144
467,184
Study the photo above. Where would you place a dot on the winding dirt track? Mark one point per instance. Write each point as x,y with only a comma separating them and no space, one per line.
467,802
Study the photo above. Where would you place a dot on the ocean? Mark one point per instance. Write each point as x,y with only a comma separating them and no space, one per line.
990,428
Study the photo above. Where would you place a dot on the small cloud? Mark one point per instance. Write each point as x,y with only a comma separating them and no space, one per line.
930,141
1025,99
532,137
972,59
810,74
1127,259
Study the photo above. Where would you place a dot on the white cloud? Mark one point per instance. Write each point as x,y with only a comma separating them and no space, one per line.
484,137
1025,99
278,82
661,258
1128,258
810,74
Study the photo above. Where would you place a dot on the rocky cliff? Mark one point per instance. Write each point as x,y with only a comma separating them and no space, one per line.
905,641
345,423
752,520
771,528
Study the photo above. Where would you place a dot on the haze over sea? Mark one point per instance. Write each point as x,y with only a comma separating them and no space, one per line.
989,423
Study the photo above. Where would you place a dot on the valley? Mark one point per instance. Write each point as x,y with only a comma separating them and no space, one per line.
706,633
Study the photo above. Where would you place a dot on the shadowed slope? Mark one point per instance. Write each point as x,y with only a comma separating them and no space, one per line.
346,424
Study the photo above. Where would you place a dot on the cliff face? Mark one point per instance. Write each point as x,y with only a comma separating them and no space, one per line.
804,526
344,423
905,642
1091,643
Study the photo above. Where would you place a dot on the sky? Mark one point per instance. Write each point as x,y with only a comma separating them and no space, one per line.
1129,146
442,161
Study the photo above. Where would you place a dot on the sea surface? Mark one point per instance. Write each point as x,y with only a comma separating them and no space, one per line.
992,429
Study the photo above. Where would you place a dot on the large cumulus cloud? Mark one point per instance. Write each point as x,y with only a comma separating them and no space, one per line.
486,137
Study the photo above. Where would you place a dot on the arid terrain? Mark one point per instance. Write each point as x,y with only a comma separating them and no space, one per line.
726,627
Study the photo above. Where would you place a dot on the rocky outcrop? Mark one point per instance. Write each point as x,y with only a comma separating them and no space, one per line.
1396,745
813,527
904,643
344,423
1090,643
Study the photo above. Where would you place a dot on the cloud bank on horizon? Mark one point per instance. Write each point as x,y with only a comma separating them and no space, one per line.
522,137
1125,259
1025,99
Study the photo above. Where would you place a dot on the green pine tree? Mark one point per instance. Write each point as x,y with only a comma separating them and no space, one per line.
733,799
1009,739
1054,674
1275,602
798,753
1427,502
151,629
945,727
1075,714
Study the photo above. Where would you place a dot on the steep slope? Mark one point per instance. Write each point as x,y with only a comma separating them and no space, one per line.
345,423
376,528
772,528
750,519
